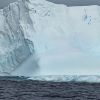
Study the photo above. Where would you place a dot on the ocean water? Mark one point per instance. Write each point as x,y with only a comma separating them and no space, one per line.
24,88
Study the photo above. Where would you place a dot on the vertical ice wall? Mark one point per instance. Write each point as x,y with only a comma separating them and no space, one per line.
65,39
14,46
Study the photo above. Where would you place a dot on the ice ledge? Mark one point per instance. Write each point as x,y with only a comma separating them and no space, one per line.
68,78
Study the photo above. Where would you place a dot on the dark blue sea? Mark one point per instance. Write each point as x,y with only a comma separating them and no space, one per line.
24,88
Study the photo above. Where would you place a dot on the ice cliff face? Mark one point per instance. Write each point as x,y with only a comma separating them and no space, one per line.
14,46
63,38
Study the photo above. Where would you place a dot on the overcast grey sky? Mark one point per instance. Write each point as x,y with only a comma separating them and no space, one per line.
4,3
77,2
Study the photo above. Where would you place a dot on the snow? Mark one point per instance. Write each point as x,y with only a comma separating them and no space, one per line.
66,40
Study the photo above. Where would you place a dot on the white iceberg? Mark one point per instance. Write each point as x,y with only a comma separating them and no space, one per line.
66,40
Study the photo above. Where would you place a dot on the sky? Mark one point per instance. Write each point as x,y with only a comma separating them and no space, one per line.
4,3
77,2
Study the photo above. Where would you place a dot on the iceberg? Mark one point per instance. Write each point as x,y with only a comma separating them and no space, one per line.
15,48
68,78
65,40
